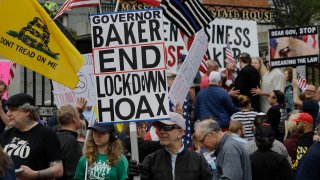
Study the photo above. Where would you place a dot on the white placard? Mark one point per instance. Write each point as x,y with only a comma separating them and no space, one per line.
243,37
86,87
130,66
189,68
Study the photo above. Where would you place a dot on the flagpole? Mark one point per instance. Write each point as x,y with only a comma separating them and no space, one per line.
100,10
117,6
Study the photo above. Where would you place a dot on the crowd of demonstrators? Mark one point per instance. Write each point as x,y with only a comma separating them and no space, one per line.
278,130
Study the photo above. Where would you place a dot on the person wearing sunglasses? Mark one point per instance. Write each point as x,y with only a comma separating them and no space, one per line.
173,161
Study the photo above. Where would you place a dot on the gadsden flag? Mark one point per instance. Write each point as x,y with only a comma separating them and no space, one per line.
31,38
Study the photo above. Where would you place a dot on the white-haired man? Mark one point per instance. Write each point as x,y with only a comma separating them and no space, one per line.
215,102
233,161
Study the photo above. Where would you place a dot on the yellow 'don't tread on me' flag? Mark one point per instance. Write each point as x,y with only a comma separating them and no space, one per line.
31,38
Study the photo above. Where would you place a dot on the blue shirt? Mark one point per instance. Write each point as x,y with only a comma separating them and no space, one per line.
215,102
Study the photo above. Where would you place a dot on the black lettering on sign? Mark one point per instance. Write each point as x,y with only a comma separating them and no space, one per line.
146,60
97,38
113,35
118,109
103,54
132,62
146,110
106,109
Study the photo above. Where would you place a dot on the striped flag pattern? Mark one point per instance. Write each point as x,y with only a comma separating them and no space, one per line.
71,4
229,55
311,40
186,108
13,67
189,15
302,82
188,42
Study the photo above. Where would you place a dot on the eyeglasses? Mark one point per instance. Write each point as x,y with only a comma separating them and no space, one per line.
166,127
203,139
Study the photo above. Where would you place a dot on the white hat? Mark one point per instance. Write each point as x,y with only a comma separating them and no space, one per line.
214,76
177,119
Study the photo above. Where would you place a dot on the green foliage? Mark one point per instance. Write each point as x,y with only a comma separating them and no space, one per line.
302,11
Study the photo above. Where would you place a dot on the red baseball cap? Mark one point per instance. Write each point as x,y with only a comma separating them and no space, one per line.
304,117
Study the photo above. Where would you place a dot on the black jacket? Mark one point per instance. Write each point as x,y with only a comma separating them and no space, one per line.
189,166
71,152
247,79
267,165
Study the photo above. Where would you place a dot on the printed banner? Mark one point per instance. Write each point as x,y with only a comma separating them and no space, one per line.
242,36
293,46
86,87
130,66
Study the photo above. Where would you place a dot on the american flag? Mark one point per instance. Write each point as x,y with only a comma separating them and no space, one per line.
13,67
187,107
302,82
311,40
71,4
188,42
155,3
229,55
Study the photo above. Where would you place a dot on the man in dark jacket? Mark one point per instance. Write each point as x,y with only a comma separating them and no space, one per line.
247,79
69,118
173,162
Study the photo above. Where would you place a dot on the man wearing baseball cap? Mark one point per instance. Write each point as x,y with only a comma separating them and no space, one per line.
34,148
305,129
173,161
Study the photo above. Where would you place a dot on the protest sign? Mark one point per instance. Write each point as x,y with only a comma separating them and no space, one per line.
189,69
130,66
5,74
242,36
86,87
293,46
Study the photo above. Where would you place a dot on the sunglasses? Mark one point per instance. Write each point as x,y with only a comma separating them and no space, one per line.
166,127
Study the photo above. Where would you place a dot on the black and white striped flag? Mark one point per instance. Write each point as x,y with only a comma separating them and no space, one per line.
188,15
